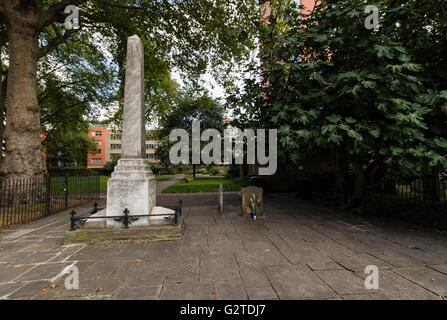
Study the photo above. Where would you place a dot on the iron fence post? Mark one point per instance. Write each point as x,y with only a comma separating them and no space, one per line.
47,194
176,216
66,190
180,203
126,219
72,220
98,186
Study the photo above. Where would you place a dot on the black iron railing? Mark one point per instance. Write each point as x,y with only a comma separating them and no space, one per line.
27,199
77,220
411,192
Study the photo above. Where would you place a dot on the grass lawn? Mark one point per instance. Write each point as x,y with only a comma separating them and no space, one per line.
105,178
162,178
75,184
103,183
205,184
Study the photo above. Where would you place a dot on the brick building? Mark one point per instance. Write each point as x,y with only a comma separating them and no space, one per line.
97,159
109,147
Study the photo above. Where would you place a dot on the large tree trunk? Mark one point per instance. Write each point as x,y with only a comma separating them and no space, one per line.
24,155
3,81
2,107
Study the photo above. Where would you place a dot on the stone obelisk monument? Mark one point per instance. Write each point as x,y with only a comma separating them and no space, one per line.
132,184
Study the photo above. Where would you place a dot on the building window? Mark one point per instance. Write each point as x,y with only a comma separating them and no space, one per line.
115,146
150,156
115,137
151,146
98,142
95,160
96,133
97,151
115,155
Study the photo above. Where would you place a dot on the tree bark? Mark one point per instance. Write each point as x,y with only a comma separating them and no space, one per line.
2,107
24,154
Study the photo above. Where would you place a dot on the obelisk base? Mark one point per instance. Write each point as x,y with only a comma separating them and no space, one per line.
131,186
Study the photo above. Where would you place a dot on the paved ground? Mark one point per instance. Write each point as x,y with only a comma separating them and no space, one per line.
298,252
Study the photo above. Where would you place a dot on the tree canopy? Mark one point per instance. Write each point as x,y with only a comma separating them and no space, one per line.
189,107
371,100
88,63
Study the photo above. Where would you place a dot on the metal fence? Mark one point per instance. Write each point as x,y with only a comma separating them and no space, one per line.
24,200
412,192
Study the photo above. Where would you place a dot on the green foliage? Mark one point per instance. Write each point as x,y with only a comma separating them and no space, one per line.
188,107
370,99
214,171
103,183
110,166
64,114
203,171
81,72
192,36
203,185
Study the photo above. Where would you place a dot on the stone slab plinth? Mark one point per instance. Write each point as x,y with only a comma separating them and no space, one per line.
152,232
132,187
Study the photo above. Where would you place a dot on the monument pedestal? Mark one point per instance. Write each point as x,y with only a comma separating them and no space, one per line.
131,186
101,234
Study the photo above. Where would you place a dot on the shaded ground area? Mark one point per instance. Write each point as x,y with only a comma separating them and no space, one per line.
299,251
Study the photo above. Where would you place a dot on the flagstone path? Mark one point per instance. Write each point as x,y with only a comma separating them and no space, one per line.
299,251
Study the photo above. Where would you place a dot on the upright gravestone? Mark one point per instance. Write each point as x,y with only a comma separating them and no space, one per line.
132,184
220,199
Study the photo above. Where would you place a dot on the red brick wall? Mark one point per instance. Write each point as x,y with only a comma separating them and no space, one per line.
102,147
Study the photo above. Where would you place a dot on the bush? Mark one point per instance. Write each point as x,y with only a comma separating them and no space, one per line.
155,170
203,171
170,171
243,182
110,166
214,171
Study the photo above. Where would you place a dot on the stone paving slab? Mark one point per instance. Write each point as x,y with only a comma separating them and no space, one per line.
343,281
146,293
396,259
261,258
230,291
358,262
254,277
218,267
397,287
441,268
299,251
262,293
297,282
427,278
183,291
29,289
